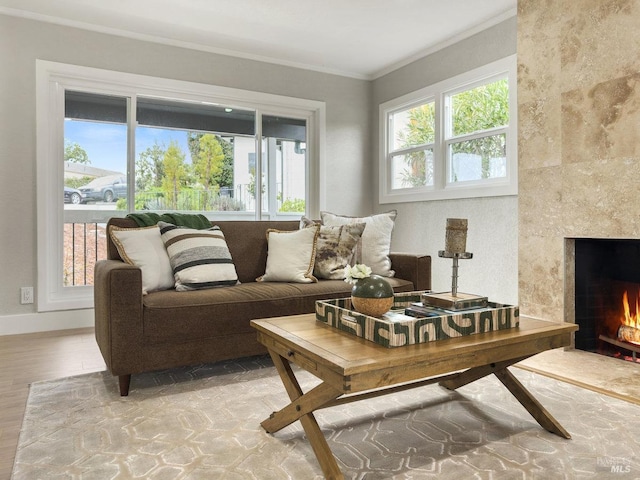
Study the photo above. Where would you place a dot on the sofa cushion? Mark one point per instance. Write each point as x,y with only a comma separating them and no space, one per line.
172,317
199,258
335,248
291,255
375,244
143,248
194,316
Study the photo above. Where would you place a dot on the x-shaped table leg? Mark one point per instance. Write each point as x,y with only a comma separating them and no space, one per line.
499,369
303,405
301,408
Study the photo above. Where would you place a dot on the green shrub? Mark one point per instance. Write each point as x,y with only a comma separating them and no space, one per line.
77,182
296,205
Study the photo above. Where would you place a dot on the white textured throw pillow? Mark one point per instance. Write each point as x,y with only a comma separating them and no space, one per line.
199,258
375,244
335,248
143,248
291,255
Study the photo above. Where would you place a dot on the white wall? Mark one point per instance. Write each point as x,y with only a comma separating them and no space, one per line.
493,222
24,41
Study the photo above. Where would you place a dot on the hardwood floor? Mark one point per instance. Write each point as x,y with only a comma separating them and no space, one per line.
30,358
44,356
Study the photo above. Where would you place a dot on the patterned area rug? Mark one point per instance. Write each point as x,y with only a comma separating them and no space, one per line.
204,423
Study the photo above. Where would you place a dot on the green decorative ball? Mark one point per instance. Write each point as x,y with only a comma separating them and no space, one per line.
373,286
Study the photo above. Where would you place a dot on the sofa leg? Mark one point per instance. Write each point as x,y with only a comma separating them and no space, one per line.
124,381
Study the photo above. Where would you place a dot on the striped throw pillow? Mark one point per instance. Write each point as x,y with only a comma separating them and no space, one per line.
199,258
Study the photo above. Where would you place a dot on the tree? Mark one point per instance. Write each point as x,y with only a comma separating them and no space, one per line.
175,172
475,110
482,108
420,131
208,165
75,153
149,168
224,178
226,173
144,174
193,142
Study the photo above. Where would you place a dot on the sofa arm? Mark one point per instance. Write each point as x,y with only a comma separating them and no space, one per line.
413,267
118,315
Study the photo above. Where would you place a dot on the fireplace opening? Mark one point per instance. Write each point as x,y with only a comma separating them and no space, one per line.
607,297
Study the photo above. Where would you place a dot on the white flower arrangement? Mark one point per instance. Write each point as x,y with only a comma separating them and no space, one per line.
355,273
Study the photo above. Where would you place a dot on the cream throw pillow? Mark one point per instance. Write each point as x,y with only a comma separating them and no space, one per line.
291,255
143,247
375,244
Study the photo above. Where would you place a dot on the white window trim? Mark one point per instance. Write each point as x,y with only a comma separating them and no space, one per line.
52,78
441,190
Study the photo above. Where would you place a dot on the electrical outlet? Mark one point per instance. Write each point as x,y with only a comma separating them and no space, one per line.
26,295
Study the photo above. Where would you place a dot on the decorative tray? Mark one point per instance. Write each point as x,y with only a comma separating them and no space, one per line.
397,329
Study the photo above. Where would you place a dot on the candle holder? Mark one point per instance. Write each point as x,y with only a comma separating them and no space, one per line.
455,246
454,273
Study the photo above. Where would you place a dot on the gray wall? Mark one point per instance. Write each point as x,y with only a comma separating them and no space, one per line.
24,41
351,142
493,222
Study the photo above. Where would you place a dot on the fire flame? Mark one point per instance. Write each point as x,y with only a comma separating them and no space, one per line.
629,331
631,320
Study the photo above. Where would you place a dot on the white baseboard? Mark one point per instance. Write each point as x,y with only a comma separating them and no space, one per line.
46,321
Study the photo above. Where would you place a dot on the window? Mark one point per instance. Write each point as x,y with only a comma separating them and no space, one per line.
110,144
455,139
412,140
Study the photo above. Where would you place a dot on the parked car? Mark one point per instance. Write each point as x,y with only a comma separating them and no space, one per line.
72,195
107,189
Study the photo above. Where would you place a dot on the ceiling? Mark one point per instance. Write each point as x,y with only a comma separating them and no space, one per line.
356,38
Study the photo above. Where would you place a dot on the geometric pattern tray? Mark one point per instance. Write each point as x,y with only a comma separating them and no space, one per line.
395,329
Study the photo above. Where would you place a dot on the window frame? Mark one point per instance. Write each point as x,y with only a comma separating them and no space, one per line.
442,189
52,79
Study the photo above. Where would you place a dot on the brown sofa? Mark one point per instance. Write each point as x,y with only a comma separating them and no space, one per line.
139,333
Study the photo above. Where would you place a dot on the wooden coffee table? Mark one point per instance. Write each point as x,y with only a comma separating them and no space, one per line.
353,369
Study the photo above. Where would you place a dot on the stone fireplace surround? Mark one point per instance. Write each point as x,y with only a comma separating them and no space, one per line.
579,140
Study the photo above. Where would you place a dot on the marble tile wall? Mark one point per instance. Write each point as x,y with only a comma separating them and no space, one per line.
579,139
